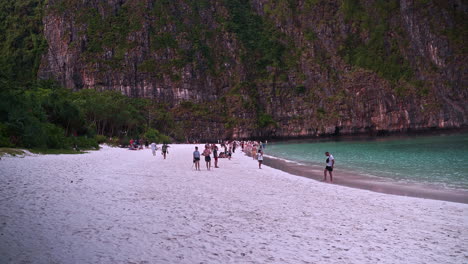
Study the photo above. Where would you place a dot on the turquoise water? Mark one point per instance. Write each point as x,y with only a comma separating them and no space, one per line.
441,160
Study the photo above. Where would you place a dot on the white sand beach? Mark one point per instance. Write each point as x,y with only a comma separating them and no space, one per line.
122,206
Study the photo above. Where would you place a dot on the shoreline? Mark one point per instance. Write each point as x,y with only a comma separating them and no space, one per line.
382,134
380,185
370,136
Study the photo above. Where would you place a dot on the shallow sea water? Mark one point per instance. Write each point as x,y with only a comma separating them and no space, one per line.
440,160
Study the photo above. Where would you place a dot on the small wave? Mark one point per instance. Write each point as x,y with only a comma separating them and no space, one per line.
285,160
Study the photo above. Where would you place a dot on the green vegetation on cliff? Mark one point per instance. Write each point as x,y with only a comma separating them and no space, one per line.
378,53
22,42
263,47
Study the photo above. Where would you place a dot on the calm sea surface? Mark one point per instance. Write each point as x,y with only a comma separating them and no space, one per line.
441,160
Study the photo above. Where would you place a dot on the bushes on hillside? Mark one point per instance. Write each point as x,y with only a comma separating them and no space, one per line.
45,115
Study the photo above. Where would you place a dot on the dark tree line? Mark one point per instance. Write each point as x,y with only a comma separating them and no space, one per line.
45,115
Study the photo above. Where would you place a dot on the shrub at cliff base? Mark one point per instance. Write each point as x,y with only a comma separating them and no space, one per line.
56,137
4,140
153,135
84,142
124,141
100,139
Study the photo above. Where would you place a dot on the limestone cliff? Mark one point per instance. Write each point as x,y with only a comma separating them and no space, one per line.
282,68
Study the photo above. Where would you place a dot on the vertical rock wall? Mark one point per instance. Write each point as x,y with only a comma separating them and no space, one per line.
271,68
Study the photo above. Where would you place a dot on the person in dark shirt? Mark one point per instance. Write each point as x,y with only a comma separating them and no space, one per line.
164,150
215,156
196,158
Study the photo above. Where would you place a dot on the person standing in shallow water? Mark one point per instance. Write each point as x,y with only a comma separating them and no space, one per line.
196,158
330,164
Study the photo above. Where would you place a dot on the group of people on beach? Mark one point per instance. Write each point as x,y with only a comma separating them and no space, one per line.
137,144
229,148
253,148
256,150
164,149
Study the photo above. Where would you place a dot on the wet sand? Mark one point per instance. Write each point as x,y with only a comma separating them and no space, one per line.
375,184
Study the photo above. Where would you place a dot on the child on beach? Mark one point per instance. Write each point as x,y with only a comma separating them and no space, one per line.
196,158
207,153
260,159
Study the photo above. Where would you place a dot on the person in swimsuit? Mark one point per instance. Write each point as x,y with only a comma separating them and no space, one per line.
207,153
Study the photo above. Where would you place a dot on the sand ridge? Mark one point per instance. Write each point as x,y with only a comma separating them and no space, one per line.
121,206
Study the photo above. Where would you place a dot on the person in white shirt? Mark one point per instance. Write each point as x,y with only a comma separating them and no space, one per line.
260,158
330,164
153,148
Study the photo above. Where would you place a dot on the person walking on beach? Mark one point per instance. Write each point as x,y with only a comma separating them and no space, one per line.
207,153
215,156
260,159
254,151
196,158
330,164
234,145
164,150
153,148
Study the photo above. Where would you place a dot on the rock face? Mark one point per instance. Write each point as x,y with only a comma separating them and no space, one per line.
282,68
